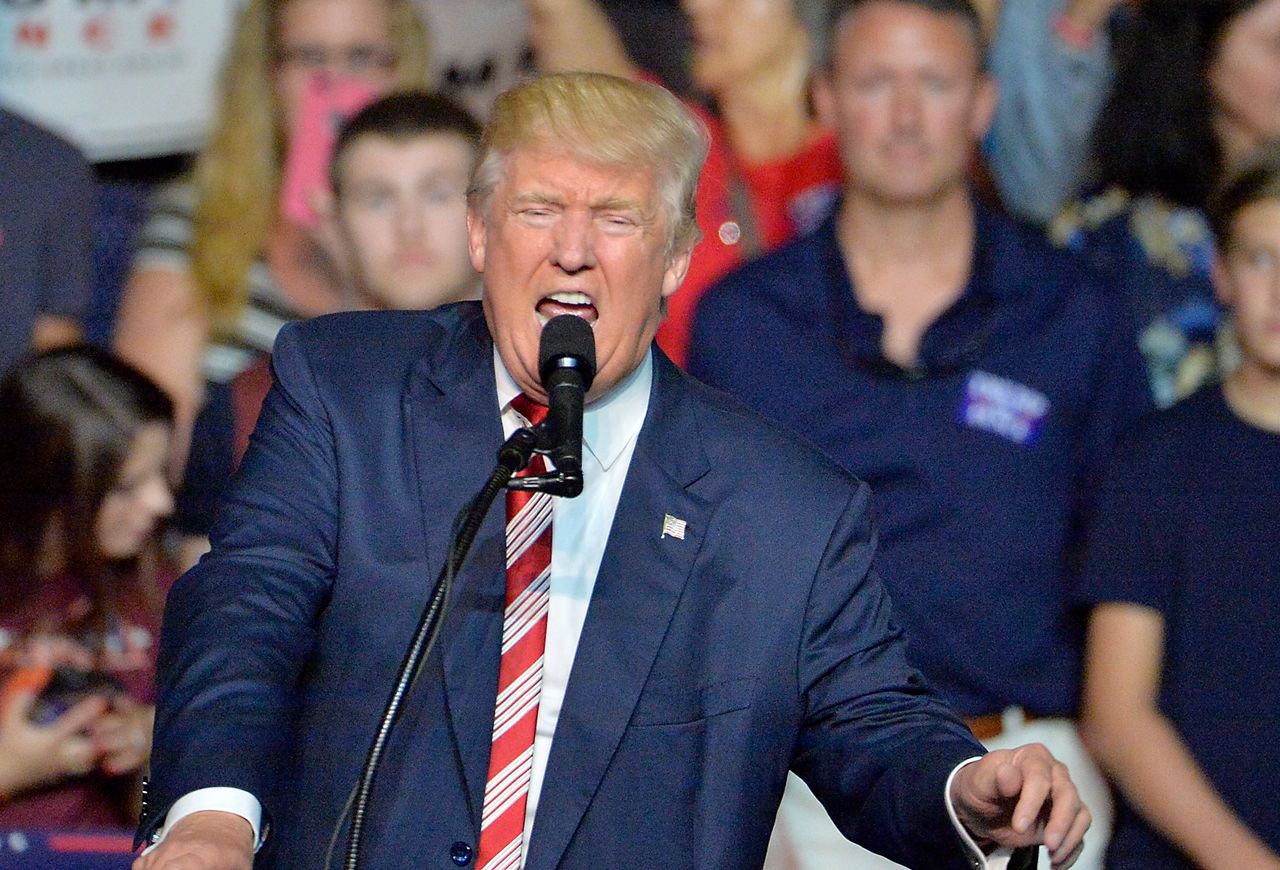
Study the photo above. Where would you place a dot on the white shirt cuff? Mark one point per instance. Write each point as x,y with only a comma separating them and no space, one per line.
997,860
220,798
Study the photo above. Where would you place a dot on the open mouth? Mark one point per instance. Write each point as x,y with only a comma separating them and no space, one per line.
567,302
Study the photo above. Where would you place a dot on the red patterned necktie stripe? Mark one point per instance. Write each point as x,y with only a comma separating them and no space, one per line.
524,638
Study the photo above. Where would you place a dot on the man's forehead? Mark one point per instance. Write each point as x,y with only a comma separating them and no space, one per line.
542,173
898,25
367,152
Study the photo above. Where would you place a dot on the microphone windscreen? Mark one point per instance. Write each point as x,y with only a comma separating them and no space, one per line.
565,337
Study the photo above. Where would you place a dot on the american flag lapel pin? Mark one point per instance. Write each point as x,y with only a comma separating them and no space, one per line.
673,527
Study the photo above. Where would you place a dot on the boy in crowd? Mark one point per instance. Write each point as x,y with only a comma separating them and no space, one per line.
397,216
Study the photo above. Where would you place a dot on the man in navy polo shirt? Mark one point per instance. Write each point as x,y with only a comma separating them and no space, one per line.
975,377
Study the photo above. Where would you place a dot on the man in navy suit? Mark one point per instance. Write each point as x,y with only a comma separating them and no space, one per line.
714,616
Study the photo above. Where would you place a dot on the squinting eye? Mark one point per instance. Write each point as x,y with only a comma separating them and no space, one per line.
375,201
128,487
536,215
618,223
872,85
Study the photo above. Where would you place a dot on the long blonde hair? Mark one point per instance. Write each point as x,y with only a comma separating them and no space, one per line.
237,176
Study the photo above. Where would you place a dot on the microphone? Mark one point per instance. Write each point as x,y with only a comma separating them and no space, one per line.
567,366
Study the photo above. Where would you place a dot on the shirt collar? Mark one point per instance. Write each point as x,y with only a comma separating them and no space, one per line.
609,423
958,337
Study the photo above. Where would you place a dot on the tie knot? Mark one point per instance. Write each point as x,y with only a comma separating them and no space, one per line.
531,410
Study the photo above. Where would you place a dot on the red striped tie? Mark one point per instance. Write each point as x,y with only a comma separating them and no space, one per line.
524,639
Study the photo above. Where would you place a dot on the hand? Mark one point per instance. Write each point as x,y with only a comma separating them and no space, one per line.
33,755
209,840
122,737
55,651
1022,797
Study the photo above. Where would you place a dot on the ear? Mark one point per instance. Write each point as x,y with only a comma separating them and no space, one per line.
984,107
1222,287
677,268
477,236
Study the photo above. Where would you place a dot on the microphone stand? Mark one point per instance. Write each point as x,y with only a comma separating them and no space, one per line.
513,456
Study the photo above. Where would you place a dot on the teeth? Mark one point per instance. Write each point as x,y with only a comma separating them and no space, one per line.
571,298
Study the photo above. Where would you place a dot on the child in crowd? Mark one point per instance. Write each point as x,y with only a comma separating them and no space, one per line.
1182,693
84,449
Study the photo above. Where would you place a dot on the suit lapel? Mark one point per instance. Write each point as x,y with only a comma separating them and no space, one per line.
629,611
456,430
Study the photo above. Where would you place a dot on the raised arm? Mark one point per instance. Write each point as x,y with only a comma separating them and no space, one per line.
1139,748
1051,58
576,35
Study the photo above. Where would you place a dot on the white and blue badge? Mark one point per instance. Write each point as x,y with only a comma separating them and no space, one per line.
1003,407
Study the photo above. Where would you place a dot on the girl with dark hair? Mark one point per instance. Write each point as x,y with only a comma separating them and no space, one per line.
84,452
1197,90
1182,680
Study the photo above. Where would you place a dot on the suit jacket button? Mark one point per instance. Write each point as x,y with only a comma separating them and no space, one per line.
460,852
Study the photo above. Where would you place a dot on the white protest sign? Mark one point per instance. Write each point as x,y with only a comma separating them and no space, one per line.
120,78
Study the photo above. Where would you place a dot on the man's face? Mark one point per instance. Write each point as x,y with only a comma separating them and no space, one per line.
908,100
563,235
1248,280
402,211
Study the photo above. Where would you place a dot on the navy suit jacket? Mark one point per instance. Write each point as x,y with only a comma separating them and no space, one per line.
707,667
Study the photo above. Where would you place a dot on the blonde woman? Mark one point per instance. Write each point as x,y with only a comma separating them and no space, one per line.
216,264
218,270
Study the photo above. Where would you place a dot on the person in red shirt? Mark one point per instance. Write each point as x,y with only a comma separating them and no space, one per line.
773,171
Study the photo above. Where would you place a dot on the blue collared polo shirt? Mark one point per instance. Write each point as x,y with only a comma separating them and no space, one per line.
983,458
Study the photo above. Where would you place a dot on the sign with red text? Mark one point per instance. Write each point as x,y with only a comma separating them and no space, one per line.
120,78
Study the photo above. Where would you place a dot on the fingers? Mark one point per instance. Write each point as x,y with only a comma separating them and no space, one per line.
18,708
79,717
1065,807
122,740
1035,765
1069,849
76,756
1069,859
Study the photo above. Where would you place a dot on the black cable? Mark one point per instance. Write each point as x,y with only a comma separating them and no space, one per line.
513,456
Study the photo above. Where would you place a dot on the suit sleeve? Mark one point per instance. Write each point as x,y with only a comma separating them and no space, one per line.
239,627
877,745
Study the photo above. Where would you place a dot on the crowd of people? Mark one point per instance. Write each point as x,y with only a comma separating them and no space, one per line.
1013,263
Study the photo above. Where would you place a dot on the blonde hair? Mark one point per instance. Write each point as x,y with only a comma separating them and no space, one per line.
604,119
237,176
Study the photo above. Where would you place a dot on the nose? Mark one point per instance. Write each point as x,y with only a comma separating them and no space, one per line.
157,497
906,108
574,246
409,222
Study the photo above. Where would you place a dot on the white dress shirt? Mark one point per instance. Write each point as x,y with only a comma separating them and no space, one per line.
579,531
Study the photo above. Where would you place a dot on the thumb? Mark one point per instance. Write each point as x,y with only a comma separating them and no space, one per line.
17,707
